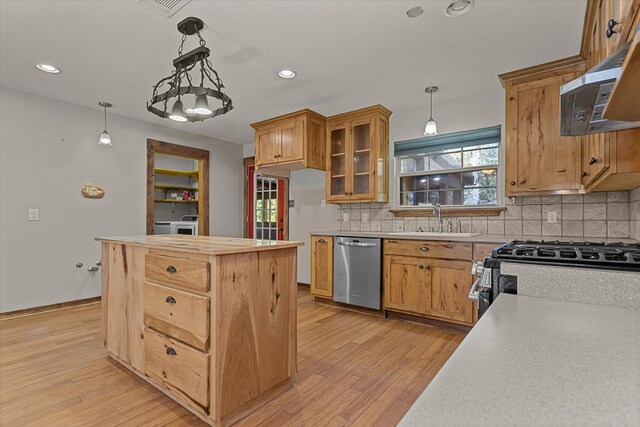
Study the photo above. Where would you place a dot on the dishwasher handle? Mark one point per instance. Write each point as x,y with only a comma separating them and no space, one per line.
358,244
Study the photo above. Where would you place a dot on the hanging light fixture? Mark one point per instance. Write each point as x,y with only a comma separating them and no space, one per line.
181,83
105,138
431,128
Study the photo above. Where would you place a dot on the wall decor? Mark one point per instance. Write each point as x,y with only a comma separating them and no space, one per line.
91,191
184,64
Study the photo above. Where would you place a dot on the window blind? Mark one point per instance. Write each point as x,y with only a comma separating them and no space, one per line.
489,135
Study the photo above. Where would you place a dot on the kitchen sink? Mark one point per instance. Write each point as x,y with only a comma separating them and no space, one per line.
433,234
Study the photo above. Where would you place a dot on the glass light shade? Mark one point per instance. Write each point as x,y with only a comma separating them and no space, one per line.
105,139
431,128
202,106
177,112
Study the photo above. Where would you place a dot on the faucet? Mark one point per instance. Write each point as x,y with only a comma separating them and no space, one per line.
438,209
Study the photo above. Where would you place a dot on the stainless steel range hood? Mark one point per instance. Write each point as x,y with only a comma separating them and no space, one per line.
582,100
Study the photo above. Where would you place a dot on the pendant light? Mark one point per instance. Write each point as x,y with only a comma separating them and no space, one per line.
431,128
105,138
177,112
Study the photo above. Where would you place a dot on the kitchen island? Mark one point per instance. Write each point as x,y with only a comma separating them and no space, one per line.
210,321
534,361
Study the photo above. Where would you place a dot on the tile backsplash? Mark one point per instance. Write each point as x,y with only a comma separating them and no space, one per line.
593,215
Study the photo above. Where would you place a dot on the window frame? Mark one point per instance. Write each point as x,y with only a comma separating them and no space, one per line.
499,166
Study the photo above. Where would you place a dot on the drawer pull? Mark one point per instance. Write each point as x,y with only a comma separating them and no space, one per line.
322,241
170,300
593,161
171,351
421,266
424,248
171,269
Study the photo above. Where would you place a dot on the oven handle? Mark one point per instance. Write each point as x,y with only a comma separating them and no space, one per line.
483,281
473,292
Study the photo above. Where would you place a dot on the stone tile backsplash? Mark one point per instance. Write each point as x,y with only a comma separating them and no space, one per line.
612,214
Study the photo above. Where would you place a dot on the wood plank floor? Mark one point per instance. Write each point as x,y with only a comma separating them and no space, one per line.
354,369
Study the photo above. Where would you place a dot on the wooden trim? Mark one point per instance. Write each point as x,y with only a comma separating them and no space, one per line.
589,20
202,156
541,71
377,108
46,308
286,116
448,212
246,162
623,103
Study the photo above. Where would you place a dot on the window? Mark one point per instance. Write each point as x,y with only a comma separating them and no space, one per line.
452,170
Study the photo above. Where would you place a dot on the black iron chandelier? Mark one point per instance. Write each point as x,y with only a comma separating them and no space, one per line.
181,83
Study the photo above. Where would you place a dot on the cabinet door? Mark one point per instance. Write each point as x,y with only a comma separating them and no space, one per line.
291,140
616,10
322,266
598,158
406,284
337,141
450,285
538,159
267,146
362,159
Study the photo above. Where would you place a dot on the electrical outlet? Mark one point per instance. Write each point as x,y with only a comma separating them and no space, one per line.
345,217
292,203
323,204
365,217
34,214
552,217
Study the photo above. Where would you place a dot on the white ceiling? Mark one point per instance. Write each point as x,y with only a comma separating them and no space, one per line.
348,54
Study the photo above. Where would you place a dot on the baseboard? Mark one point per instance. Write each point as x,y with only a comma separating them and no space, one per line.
427,321
349,307
45,308
304,285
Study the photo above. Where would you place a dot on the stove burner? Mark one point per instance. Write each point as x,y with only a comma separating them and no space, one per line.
595,254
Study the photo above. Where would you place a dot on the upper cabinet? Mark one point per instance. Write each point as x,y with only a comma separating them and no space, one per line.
538,160
357,156
290,142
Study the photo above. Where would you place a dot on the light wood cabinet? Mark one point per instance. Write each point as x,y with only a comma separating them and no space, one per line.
416,280
290,142
322,266
407,284
537,159
357,156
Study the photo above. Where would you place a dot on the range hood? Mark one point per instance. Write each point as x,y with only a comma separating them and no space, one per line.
583,100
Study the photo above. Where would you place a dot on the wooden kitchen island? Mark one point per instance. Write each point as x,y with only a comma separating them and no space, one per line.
210,321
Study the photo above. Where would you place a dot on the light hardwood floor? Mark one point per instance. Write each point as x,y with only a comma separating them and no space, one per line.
354,369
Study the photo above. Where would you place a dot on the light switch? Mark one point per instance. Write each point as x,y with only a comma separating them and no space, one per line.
365,217
552,217
34,214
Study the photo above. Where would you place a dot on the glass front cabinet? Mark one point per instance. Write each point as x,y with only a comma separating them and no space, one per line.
357,156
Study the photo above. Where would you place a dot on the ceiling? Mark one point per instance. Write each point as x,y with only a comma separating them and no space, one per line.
348,54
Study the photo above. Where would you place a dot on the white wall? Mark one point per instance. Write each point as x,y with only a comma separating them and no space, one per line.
48,150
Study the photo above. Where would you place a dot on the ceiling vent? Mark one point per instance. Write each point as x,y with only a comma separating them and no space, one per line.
166,8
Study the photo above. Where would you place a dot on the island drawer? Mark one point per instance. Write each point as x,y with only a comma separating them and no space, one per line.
183,272
178,314
178,367
428,248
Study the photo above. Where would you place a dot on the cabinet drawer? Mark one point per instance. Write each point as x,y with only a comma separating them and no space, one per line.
180,368
183,272
429,249
178,314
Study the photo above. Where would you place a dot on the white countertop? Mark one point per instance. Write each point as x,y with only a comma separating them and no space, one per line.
482,238
533,361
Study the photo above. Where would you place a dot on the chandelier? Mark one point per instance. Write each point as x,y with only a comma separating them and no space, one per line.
181,83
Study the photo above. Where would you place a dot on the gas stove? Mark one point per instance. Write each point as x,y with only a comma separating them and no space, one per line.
618,256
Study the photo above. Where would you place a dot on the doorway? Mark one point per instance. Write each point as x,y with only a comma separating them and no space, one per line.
177,186
266,206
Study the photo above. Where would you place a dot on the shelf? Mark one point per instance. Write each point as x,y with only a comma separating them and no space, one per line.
174,187
174,201
192,174
361,173
366,150
337,176
337,154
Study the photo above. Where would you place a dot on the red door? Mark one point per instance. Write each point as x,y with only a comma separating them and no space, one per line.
266,205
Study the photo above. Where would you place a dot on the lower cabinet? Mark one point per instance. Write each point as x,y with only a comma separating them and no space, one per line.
450,284
407,284
322,266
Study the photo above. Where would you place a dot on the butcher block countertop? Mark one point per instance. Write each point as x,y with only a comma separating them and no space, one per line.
210,245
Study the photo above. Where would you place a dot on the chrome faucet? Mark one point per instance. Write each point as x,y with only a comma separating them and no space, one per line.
438,209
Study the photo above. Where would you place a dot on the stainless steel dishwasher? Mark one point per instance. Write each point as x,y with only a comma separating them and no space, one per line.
356,271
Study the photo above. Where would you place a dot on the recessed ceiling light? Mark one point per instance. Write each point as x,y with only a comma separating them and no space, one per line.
414,12
458,7
287,74
48,68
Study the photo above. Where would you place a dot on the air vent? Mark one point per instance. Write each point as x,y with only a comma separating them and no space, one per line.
166,8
